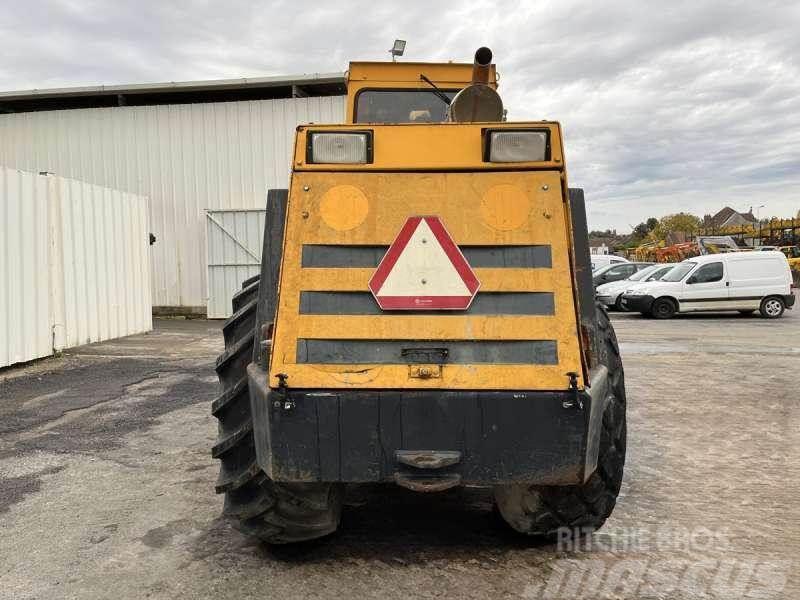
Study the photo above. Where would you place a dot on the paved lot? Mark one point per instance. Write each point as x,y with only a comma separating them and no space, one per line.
106,485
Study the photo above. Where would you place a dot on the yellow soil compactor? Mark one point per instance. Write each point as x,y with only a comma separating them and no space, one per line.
424,317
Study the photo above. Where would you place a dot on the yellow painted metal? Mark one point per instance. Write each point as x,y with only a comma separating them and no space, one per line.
454,197
505,207
343,207
430,147
439,327
469,203
406,75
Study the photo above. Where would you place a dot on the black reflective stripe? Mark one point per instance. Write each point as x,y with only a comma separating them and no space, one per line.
514,257
385,352
330,256
485,303
479,257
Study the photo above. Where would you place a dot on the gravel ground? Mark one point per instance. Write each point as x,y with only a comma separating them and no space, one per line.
106,485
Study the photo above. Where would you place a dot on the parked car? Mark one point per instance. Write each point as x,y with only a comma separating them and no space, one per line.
603,260
737,281
617,272
610,294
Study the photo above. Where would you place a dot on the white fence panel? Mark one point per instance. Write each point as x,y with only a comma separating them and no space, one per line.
25,331
104,271
235,239
74,265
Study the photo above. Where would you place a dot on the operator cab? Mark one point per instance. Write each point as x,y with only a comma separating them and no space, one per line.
380,92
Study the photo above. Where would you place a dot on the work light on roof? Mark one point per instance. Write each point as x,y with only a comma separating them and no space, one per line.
398,49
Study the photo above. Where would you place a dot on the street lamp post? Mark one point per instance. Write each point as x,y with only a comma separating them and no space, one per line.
758,218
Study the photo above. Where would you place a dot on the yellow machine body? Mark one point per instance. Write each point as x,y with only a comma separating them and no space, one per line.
428,169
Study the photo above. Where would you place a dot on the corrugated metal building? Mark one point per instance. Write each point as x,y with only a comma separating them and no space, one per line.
189,147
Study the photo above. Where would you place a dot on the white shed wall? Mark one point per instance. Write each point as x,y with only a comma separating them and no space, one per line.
99,263
185,158
74,265
25,331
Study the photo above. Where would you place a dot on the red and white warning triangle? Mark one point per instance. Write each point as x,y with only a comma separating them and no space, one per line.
424,269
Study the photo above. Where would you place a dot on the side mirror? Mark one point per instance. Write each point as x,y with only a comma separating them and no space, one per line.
692,279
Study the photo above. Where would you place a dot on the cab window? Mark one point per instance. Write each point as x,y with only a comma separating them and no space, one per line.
707,273
401,106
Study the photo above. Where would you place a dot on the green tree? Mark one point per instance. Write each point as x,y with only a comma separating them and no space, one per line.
641,230
679,222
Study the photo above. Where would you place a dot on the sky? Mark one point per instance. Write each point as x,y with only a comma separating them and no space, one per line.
666,106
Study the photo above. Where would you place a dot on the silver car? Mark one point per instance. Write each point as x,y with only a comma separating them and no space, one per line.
610,294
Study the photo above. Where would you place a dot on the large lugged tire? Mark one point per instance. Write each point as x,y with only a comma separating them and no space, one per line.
277,513
542,511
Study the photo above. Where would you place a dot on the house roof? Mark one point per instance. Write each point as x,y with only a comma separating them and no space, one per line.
724,215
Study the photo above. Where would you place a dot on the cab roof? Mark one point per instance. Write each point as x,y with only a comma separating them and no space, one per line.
448,75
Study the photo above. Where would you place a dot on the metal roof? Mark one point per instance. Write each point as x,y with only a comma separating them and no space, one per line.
178,92
172,86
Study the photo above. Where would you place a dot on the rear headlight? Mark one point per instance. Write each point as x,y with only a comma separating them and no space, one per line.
517,146
340,148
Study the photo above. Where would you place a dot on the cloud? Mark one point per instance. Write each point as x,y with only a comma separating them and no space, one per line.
665,106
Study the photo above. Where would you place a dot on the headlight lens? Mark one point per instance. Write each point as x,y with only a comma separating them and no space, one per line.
517,146
339,148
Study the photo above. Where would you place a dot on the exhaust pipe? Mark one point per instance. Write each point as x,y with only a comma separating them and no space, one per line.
478,101
480,65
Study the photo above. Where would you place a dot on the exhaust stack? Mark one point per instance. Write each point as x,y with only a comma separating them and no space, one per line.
480,65
478,102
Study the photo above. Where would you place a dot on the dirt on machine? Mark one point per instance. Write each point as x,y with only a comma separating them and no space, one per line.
424,318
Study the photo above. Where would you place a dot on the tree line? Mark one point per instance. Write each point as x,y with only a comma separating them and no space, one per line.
654,229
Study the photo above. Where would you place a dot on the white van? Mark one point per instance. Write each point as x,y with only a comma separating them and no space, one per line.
602,260
740,281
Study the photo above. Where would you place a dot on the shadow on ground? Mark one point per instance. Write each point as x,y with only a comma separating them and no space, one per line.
391,524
